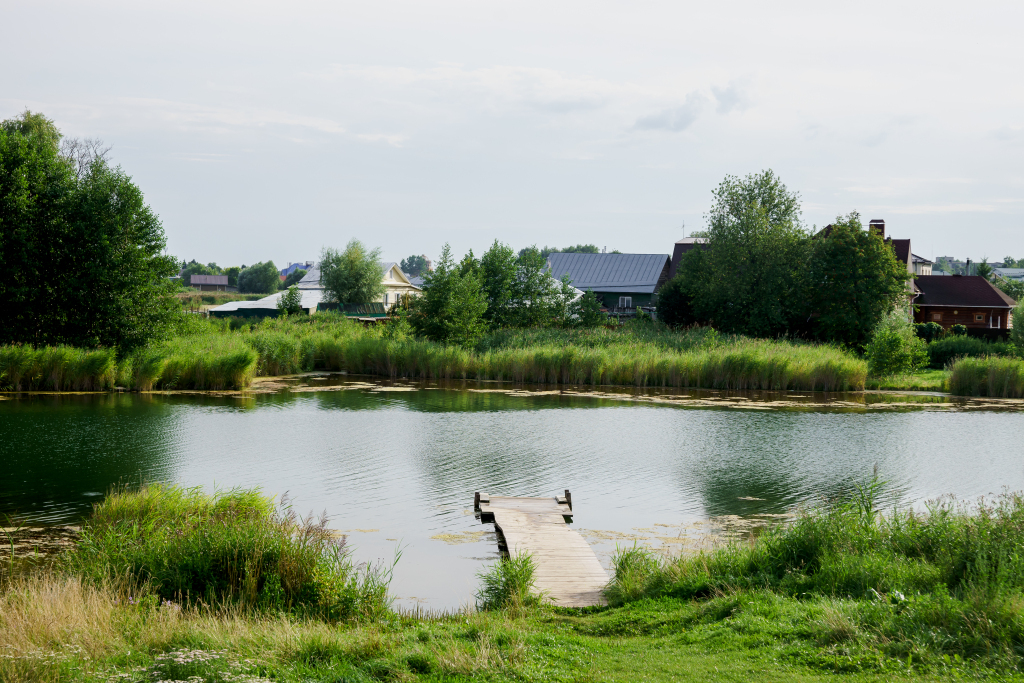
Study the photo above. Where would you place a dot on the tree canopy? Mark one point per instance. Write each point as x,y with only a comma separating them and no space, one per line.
452,305
293,277
259,278
414,266
352,276
82,256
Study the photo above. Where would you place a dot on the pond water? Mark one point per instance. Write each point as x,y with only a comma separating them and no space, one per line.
396,464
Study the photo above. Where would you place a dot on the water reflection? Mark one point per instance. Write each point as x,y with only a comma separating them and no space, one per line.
401,466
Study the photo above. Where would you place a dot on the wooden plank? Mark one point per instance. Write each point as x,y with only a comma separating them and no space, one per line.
568,572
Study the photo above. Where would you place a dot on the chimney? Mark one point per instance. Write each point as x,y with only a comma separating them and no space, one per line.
877,224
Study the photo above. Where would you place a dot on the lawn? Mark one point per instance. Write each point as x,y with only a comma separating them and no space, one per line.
922,380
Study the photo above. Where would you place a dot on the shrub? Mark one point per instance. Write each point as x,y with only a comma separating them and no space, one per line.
943,351
895,348
959,330
229,547
508,584
929,331
1017,331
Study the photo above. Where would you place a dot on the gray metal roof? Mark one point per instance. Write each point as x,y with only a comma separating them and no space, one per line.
209,279
610,272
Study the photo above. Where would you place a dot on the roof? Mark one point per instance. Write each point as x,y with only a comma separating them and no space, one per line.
311,280
209,279
919,259
610,272
969,291
310,298
681,247
1011,273
902,249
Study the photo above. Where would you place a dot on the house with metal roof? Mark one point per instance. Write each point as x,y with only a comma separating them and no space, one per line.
210,283
968,300
396,284
620,281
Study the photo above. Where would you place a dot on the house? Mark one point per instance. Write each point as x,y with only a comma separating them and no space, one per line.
211,283
620,281
396,284
968,300
1010,273
292,267
922,266
681,247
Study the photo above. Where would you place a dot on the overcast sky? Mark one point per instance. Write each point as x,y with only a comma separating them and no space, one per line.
268,130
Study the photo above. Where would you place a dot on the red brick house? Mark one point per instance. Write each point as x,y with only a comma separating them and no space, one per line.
968,300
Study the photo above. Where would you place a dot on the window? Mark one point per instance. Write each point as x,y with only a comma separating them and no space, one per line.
937,317
385,299
979,317
625,302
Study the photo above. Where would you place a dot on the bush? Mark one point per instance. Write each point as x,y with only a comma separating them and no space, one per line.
943,351
229,547
890,353
959,330
1017,331
929,331
508,584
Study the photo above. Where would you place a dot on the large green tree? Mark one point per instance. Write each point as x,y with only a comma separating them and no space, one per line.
414,265
82,256
452,305
852,281
498,268
352,276
748,279
259,278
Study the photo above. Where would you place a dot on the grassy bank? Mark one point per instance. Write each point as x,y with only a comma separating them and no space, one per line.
990,376
228,354
166,585
923,380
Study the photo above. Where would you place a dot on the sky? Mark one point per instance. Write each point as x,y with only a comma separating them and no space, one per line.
269,130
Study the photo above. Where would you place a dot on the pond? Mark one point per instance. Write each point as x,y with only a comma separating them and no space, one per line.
395,464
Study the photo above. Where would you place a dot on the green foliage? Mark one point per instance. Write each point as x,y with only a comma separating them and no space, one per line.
499,270
259,278
851,282
587,311
747,280
942,351
959,330
984,269
290,302
1017,331
82,257
521,291
232,274
987,376
577,249
229,547
508,584
352,276
1012,288
194,268
414,266
451,308
930,331
932,575
895,348
292,278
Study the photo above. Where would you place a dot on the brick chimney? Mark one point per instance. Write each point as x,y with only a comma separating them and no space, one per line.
877,224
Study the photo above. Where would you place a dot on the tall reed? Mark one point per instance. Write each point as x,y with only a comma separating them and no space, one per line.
994,376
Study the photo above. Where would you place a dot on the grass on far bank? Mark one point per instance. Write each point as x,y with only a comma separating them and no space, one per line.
922,380
219,354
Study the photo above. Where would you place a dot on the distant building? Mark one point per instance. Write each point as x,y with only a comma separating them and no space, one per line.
968,300
620,281
922,266
311,290
210,283
292,267
1010,273
682,247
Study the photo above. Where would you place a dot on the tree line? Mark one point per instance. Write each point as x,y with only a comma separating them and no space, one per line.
760,272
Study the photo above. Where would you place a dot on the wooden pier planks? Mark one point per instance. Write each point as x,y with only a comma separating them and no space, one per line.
568,572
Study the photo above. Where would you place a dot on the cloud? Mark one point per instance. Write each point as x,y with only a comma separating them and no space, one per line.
733,97
676,119
184,114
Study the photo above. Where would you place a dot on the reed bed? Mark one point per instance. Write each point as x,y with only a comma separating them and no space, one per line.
57,368
219,355
995,376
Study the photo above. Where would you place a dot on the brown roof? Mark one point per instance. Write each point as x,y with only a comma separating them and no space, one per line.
960,290
209,280
902,249
681,247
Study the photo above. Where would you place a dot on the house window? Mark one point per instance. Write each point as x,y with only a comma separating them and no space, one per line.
385,299
979,317
625,302
937,317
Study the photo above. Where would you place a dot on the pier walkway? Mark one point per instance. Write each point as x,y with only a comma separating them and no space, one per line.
568,572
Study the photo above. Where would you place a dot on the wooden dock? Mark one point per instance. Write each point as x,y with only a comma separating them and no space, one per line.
568,572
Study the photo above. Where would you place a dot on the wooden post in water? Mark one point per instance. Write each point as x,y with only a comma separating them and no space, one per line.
568,498
476,502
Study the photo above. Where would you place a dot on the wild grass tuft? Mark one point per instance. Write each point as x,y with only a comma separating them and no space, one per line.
233,547
508,584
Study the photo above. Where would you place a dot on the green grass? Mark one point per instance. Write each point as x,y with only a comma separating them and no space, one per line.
922,380
235,547
843,593
220,354
990,376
